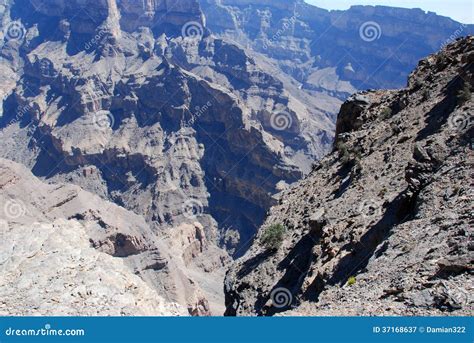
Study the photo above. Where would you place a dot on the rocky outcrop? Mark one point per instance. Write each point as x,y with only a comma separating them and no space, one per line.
67,252
192,133
186,131
383,225
156,120
166,262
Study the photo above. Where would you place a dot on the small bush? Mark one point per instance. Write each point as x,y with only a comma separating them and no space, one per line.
425,95
464,94
351,281
273,235
344,153
386,113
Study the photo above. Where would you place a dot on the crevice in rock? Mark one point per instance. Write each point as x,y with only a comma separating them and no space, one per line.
398,211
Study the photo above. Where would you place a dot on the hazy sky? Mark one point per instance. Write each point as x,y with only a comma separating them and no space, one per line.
460,10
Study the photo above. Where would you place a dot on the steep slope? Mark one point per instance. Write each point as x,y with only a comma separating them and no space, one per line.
383,225
64,251
334,52
143,107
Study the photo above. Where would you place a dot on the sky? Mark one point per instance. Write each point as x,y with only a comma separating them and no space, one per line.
460,10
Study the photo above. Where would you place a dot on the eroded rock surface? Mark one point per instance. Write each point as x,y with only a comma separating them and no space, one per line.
383,225
335,52
155,114
62,252
190,132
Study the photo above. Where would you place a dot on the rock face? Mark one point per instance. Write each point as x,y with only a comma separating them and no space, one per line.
140,104
67,252
383,225
334,52
182,129
169,123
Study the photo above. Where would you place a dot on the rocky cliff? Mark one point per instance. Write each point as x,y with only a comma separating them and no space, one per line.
141,106
64,251
191,131
157,117
383,224
335,52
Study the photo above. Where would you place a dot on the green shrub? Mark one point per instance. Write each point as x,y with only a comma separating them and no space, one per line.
351,281
386,113
344,153
464,94
425,95
273,235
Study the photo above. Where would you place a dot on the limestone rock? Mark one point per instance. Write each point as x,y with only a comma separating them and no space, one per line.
383,225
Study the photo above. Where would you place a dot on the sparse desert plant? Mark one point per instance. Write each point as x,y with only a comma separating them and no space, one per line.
273,235
425,95
386,113
344,153
351,281
464,94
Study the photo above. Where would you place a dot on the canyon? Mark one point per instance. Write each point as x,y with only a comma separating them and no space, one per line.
156,134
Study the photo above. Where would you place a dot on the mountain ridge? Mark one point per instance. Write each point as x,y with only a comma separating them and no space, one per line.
382,225
155,109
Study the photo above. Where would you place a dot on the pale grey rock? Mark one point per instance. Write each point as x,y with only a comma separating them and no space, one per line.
383,225
111,237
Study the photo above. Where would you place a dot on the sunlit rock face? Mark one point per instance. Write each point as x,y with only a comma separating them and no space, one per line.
382,44
382,225
191,115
